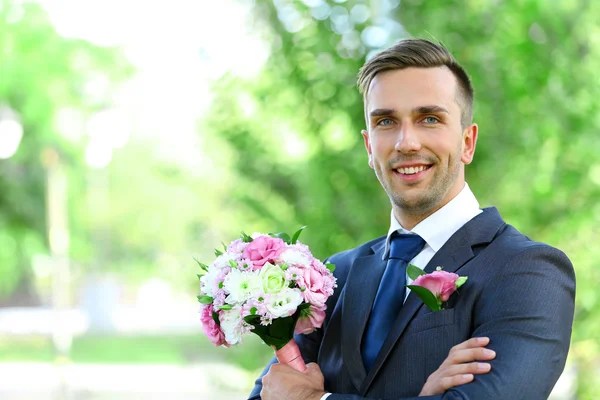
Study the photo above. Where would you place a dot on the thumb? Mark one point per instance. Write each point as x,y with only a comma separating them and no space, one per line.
313,369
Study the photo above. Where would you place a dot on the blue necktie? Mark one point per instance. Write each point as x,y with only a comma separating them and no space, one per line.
390,295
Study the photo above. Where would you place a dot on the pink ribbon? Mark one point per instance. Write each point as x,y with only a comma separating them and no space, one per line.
290,355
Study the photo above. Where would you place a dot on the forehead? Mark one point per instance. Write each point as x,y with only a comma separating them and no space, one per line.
413,87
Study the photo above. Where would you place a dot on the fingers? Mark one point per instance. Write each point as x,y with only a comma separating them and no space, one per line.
474,368
468,355
449,382
470,350
461,366
472,343
312,368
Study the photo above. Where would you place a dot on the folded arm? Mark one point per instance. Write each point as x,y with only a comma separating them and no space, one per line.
527,312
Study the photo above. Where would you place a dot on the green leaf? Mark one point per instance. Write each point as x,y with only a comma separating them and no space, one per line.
215,317
426,296
280,331
330,267
201,275
233,264
205,299
203,266
218,253
461,281
414,272
225,307
297,235
281,235
252,319
278,334
253,311
246,238
224,247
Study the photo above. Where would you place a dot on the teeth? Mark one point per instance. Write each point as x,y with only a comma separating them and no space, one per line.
411,170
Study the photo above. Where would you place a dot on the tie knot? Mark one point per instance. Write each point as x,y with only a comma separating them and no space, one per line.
405,246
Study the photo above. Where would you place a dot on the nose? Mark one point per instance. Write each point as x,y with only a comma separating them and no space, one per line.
408,140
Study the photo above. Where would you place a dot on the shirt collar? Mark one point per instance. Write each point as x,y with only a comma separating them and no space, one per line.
442,224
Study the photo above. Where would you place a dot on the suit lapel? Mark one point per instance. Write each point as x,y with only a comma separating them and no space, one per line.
455,253
361,288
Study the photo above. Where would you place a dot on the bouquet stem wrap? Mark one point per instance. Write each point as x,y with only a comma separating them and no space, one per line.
290,355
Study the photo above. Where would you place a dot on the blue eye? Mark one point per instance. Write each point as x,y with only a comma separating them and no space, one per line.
384,122
430,120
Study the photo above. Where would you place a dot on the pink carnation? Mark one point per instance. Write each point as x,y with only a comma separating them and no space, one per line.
441,283
307,324
210,327
302,248
319,266
263,249
316,292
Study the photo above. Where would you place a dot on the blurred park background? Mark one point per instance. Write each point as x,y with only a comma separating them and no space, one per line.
136,135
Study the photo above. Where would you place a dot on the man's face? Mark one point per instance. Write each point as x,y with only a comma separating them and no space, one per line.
415,141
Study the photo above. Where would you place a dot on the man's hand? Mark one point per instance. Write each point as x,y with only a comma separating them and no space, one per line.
282,382
460,366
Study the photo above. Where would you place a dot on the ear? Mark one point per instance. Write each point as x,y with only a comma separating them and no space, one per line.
469,143
365,135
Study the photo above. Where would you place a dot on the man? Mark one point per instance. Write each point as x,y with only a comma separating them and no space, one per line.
519,294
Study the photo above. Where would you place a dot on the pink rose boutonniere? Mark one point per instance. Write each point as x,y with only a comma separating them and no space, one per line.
434,288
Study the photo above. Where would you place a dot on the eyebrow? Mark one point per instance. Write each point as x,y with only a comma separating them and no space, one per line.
379,112
430,110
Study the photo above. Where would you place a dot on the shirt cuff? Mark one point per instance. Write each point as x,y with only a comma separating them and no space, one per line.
326,395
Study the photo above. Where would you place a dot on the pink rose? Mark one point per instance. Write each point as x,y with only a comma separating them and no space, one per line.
316,290
311,322
263,249
441,283
210,327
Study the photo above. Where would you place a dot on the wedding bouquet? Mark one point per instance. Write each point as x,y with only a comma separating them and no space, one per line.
267,284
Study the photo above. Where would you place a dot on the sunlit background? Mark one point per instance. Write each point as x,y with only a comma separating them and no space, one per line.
137,135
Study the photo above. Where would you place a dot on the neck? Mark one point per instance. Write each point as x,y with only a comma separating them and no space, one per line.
409,220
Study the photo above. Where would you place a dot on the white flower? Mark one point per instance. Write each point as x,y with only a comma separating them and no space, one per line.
284,303
208,281
231,324
272,278
222,261
242,285
295,257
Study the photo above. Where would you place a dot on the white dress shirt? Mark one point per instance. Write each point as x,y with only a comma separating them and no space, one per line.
436,229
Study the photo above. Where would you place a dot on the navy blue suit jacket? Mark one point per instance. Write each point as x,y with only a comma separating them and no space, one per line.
520,294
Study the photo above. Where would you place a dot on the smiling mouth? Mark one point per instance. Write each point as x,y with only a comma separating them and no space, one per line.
412,170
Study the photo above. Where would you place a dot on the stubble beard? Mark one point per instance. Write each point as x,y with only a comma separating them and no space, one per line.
429,199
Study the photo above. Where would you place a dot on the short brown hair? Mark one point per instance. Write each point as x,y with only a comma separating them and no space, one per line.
419,53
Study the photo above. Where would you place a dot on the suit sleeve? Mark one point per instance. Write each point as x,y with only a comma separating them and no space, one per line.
527,312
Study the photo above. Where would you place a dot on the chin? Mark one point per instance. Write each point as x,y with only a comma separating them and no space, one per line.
415,205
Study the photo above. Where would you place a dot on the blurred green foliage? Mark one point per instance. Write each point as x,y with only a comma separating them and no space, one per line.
296,127
42,73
